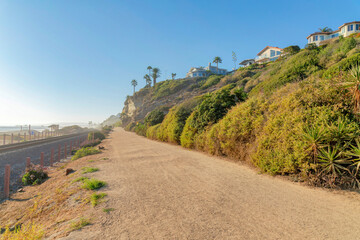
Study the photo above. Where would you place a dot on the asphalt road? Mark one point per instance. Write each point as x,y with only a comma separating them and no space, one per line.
17,158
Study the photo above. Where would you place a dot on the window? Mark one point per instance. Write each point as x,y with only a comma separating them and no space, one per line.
357,28
272,53
315,38
278,52
322,38
350,28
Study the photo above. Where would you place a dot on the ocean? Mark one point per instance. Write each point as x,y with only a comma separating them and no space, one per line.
18,128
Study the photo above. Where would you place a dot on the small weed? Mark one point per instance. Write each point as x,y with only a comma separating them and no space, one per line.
96,197
104,158
92,184
91,161
82,222
34,176
107,210
80,179
89,169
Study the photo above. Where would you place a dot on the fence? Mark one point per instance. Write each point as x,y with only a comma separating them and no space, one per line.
11,138
55,156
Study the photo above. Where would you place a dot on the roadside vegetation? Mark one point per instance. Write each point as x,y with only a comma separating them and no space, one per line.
297,116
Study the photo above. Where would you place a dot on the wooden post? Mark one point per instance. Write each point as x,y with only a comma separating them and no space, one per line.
52,157
28,162
42,134
7,181
18,137
42,159
59,153
65,152
12,138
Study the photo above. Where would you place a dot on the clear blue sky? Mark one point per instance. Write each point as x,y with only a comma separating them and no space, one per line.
72,61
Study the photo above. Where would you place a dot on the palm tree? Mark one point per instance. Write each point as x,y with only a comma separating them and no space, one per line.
155,74
134,83
147,80
217,60
173,75
325,29
149,68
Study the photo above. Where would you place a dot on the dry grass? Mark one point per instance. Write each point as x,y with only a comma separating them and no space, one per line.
52,205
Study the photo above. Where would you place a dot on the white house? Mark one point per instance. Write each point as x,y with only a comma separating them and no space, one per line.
344,30
268,54
205,71
247,62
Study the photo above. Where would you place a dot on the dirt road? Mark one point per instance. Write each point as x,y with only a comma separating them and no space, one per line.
161,191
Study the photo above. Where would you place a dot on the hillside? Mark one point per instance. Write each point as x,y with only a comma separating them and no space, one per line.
296,116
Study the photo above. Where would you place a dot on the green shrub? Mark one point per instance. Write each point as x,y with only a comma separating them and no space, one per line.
292,50
154,117
90,144
34,175
82,152
93,184
140,129
130,126
97,135
211,81
212,108
348,44
152,132
79,179
173,124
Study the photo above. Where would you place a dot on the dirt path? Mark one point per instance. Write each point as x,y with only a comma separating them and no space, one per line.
160,191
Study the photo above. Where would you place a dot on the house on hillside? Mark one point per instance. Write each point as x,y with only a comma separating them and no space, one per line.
247,62
344,30
205,71
268,54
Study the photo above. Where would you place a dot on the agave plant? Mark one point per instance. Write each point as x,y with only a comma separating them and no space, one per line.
354,86
314,138
354,153
342,131
333,161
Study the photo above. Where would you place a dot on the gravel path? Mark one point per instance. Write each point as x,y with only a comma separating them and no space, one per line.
17,158
161,191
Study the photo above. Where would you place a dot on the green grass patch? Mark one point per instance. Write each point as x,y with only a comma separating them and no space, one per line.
79,179
107,210
96,197
93,184
85,152
82,222
89,170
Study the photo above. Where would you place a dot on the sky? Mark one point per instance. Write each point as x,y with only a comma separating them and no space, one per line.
73,61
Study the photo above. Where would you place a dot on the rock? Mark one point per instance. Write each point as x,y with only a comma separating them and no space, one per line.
101,148
20,190
68,171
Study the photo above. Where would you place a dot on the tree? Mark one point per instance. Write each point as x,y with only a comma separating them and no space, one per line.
134,83
173,75
325,29
147,80
149,68
234,59
155,74
217,60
